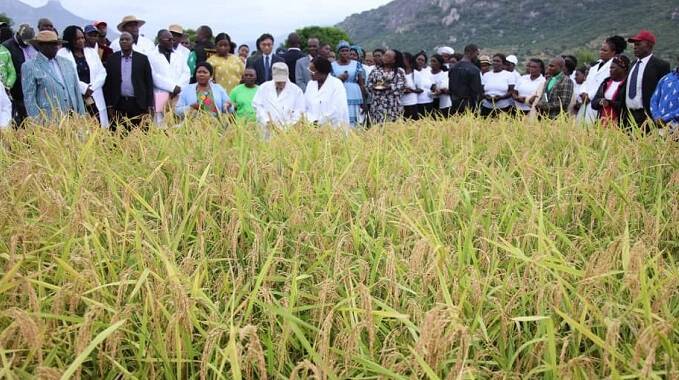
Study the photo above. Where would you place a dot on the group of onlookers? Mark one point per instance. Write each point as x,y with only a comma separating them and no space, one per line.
132,79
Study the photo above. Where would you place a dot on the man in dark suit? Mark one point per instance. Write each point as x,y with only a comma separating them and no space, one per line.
293,54
262,65
21,52
643,78
129,85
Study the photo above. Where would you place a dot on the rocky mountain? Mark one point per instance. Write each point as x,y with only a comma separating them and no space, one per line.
527,27
23,13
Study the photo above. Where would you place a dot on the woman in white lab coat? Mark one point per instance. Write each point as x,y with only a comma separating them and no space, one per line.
325,97
91,72
598,73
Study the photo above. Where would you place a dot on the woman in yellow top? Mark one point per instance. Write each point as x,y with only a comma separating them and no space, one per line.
228,67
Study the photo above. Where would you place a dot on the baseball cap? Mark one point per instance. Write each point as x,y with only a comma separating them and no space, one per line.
99,23
279,72
484,59
90,29
643,35
512,59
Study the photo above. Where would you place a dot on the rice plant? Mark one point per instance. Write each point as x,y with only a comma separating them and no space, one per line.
459,249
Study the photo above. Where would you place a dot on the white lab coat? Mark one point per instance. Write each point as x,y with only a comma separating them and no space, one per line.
327,105
97,80
591,85
5,109
181,50
284,109
168,75
143,45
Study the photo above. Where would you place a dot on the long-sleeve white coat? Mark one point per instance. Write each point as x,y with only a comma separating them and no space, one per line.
97,80
5,109
595,78
168,75
284,109
327,105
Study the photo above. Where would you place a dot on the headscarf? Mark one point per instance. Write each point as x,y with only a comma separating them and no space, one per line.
445,50
343,45
358,50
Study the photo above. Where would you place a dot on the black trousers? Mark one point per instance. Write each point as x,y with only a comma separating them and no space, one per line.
635,117
462,105
128,114
494,112
410,112
425,110
18,113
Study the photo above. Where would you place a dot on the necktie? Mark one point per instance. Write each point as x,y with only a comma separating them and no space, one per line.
267,68
633,80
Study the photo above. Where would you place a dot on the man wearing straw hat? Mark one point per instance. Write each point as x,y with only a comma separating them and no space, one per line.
141,44
50,83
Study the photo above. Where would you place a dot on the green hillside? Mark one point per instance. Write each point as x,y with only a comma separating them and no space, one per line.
527,27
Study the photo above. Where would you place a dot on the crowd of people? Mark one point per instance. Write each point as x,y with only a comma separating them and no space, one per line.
133,81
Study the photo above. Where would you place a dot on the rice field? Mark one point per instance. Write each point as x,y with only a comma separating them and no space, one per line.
464,249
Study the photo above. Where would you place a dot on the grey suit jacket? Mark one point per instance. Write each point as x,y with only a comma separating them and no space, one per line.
45,94
302,74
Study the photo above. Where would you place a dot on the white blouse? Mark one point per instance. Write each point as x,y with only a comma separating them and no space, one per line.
527,87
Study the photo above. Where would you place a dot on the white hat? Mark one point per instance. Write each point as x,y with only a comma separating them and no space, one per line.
279,72
512,59
446,50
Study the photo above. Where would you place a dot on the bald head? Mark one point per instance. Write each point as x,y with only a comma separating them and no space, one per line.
45,24
126,41
556,66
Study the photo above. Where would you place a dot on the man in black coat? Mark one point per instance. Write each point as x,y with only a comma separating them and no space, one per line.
293,54
21,51
262,65
644,75
129,85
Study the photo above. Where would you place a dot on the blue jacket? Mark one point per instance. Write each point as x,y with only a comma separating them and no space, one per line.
188,97
43,92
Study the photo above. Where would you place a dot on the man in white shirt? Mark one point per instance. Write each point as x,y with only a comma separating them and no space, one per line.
278,102
170,72
263,64
131,24
644,75
178,34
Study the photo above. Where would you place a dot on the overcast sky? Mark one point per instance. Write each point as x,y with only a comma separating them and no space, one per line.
244,20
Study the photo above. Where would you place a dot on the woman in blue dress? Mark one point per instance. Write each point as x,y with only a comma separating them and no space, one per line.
351,73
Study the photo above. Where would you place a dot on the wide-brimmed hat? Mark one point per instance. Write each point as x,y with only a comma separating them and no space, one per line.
175,28
129,19
46,37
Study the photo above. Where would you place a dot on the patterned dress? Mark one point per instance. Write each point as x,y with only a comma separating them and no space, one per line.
206,101
228,71
386,88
